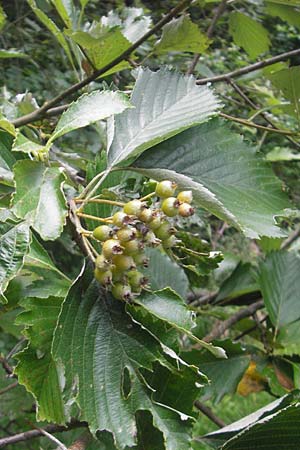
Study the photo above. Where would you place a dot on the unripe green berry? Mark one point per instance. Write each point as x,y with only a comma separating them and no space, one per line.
133,208
105,278
102,233
137,280
132,247
151,239
123,262
165,188
146,215
170,242
111,247
121,291
141,260
170,206
155,222
185,210
126,234
120,218
102,264
165,230
185,197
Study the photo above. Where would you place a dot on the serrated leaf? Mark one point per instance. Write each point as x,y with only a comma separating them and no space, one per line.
88,109
249,34
6,125
103,346
166,103
163,272
23,144
224,175
167,306
280,285
134,24
241,281
39,198
102,45
288,81
181,35
282,154
36,368
14,245
255,423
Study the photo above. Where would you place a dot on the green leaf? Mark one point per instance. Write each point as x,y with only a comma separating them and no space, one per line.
14,245
4,54
284,12
166,103
287,2
25,145
88,109
259,417
134,24
280,284
224,374
181,35
288,81
39,198
167,306
282,154
52,27
104,349
2,17
249,34
7,159
66,10
163,272
241,281
224,174
6,125
36,368
102,45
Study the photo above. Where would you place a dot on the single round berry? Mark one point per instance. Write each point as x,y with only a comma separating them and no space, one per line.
121,291
123,262
185,210
151,239
111,247
102,264
132,247
170,242
141,260
126,234
133,208
105,278
170,206
120,218
146,215
165,230
102,233
185,197
155,222
137,280
165,188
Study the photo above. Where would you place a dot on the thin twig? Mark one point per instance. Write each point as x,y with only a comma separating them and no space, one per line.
8,369
27,435
208,413
250,68
39,113
9,387
291,239
53,439
247,123
219,11
221,327
253,105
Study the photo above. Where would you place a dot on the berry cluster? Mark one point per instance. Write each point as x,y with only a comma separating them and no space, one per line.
132,229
